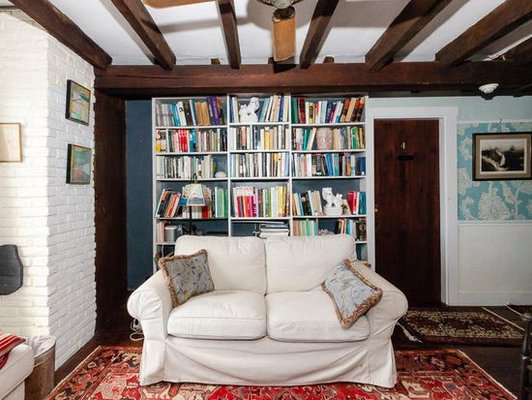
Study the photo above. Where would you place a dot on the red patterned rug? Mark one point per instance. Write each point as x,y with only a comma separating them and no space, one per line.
460,325
111,373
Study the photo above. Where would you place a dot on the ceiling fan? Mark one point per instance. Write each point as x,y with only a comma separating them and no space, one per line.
284,24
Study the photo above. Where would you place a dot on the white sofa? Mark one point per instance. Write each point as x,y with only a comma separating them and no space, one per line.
12,375
268,322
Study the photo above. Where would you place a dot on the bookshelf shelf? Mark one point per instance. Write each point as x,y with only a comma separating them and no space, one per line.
280,142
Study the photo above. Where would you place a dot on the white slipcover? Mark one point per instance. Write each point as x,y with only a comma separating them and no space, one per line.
309,317
222,314
12,375
266,361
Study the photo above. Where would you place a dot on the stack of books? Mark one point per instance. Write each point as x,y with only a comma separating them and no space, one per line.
271,229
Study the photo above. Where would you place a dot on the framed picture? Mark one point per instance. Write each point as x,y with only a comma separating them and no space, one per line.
502,156
79,165
78,103
10,142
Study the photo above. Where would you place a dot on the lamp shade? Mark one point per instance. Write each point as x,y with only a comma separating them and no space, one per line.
11,269
194,194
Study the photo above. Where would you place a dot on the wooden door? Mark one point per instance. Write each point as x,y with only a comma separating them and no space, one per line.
407,207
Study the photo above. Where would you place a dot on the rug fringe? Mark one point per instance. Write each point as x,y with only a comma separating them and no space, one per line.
502,318
410,337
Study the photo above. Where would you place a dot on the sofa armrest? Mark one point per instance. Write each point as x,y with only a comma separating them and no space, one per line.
151,304
392,306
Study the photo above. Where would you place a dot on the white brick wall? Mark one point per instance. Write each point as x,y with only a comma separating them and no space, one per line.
51,222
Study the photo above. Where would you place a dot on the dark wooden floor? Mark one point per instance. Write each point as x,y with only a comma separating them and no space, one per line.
502,363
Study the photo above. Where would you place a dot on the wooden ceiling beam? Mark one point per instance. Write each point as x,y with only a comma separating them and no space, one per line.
414,17
501,21
316,32
145,27
63,29
228,17
319,78
520,54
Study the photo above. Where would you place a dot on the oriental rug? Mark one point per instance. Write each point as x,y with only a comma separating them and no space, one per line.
460,325
112,373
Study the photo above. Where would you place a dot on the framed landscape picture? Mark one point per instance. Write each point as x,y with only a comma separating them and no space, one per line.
78,103
79,165
502,156
10,142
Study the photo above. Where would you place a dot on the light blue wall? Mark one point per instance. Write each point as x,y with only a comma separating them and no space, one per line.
139,192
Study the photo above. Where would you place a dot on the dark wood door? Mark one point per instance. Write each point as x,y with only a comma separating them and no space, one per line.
407,207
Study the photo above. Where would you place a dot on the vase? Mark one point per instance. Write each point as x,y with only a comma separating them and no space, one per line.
324,139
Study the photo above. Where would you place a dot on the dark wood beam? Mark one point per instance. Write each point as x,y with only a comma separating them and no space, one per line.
64,30
414,17
505,18
228,17
319,78
145,27
521,54
316,32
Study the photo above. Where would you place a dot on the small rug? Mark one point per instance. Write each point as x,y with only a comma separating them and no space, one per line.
460,325
112,373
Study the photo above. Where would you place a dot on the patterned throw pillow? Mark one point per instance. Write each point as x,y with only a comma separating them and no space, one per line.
187,276
351,293
8,342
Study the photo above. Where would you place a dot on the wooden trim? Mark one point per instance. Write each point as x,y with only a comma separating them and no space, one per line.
63,29
505,18
228,18
145,27
414,17
316,32
319,78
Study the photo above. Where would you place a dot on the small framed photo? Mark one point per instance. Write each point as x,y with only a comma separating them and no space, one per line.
78,103
502,156
10,142
79,165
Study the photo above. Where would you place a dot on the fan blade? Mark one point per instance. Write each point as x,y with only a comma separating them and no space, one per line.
284,33
171,3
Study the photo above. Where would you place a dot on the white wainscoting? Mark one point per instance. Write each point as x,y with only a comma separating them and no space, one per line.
494,263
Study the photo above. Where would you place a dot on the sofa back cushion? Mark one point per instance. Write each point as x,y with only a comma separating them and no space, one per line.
235,263
302,263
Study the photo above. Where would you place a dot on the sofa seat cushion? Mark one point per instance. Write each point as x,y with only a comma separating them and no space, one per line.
309,317
221,314
17,368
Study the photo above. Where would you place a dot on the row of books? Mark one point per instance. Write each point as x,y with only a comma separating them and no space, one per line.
186,167
307,227
190,112
307,203
356,201
260,165
190,140
343,138
306,111
172,204
261,138
355,228
271,109
253,202
272,229
329,164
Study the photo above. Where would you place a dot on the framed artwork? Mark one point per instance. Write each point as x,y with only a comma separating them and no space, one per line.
10,142
79,165
78,103
502,156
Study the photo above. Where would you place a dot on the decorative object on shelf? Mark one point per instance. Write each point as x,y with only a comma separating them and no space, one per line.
248,112
324,138
10,142
334,202
220,174
78,103
11,269
194,196
78,165
502,156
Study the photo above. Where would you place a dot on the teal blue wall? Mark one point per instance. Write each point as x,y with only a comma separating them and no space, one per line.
490,200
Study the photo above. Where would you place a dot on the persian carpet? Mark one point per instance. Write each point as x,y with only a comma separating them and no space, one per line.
112,373
460,325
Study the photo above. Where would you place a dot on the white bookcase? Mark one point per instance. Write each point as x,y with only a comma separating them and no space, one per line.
261,155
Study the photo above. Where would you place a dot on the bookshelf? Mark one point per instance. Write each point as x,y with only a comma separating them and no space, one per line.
261,173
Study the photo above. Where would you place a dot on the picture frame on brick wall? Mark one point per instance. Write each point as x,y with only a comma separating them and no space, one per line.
79,165
10,142
78,103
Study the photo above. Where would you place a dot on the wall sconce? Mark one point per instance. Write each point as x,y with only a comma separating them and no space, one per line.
488,88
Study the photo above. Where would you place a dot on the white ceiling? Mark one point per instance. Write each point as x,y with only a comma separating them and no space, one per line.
194,32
